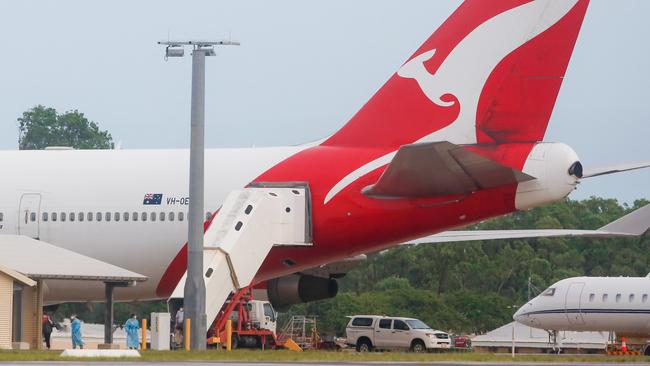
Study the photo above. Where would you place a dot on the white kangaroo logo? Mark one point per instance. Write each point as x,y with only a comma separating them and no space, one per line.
466,70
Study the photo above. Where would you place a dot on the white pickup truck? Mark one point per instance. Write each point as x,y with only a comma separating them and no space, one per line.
368,332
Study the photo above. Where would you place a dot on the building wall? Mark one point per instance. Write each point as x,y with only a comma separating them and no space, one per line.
6,304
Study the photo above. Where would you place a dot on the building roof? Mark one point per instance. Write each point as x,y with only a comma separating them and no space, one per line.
17,276
526,336
40,260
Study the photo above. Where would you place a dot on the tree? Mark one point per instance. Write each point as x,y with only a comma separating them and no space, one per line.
41,127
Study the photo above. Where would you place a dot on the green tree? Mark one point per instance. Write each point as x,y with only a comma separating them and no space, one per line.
41,127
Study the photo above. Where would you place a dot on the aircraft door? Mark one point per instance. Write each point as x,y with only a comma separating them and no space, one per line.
29,215
572,303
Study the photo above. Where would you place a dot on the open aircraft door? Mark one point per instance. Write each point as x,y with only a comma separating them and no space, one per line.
29,215
572,303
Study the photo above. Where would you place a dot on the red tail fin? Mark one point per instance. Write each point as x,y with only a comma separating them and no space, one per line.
490,73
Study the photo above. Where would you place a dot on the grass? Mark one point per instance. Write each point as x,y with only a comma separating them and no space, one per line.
289,356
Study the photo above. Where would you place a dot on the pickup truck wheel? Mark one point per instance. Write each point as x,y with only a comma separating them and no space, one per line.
418,346
364,345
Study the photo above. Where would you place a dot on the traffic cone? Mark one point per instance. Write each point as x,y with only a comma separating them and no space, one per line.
623,345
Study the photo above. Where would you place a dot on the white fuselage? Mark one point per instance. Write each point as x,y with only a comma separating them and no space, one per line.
618,304
36,185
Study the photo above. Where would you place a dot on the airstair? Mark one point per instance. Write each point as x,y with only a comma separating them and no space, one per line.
250,222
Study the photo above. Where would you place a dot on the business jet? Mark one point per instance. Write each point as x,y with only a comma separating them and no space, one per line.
453,138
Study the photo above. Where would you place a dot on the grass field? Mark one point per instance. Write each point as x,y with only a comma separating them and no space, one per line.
289,356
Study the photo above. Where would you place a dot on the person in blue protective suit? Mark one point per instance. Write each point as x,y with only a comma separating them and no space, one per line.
131,327
75,332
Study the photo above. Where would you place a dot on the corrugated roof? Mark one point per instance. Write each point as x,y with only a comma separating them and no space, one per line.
40,260
526,336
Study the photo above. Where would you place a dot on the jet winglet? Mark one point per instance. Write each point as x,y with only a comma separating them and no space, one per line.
441,168
636,222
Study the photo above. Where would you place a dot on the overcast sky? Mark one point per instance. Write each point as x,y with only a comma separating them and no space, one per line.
304,68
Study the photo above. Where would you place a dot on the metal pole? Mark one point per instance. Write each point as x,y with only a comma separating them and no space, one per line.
108,315
194,285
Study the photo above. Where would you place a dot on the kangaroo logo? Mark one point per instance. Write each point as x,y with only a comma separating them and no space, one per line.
466,70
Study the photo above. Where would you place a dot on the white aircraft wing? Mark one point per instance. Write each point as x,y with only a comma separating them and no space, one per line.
633,224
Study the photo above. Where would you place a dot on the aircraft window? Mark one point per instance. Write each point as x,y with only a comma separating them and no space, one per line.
98,216
63,216
208,215
54,216
144,216
116,216
644,298
125,216
44,216
2,216
181,216
80,216
631,298
171,216
162,216
549,292
592,297
107,216
32,216
604,297
135,216
89,216
618,297
72,216
153,216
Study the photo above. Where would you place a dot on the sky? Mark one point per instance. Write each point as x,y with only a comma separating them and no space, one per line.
303,69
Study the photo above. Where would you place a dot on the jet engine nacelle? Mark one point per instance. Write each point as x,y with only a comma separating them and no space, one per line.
295,289
557,170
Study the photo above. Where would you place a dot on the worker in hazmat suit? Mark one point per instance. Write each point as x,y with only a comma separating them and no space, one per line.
75,327
131,327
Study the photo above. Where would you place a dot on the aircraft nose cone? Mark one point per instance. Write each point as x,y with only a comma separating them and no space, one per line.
520,315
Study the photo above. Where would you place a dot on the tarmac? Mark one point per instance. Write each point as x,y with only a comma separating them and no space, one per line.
199,363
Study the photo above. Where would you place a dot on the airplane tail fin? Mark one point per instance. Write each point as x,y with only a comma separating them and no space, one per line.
490,74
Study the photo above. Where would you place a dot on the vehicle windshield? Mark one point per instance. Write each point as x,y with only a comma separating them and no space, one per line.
417,324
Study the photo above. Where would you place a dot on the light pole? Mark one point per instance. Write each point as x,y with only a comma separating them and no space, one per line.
194,294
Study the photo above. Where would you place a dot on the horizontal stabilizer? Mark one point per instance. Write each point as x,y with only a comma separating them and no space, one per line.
594,172
440,169
632,224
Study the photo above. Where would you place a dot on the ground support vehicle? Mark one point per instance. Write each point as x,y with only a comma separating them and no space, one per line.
370,332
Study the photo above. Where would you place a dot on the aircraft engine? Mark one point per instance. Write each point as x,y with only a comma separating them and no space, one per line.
295,289
557,170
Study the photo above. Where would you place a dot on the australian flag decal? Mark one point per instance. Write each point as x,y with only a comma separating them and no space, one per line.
152,199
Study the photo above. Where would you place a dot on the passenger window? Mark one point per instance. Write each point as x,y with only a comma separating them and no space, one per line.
162,216
362,322
208,215
116,216
2,216
153,216
400,325
107,216
385,323
98,216
604,297
62,216
631,298
592,297
72,216
126,216
618,297
81,216
32,216
134,216
89,216
171,216
181,216
144,216
44,216
644,298
54,216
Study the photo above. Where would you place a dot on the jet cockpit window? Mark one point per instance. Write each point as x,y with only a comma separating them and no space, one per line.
549,292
